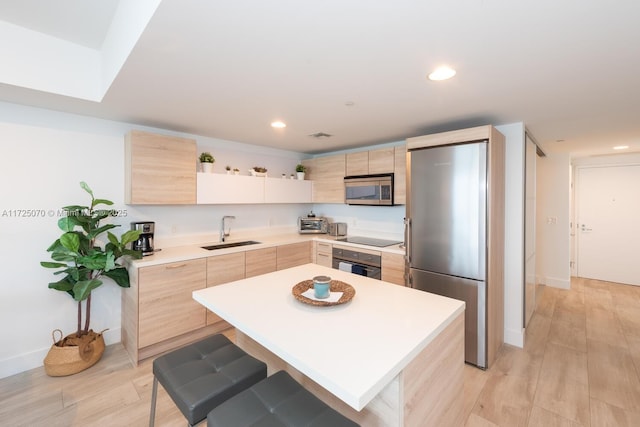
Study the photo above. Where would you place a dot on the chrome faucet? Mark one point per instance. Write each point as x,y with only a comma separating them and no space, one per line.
222,232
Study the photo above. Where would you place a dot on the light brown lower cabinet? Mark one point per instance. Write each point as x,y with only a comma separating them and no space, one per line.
167,308
293,255
393,268
223,269
260,261
323,254
159,312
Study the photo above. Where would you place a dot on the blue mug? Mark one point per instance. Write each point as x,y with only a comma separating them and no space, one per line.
322,287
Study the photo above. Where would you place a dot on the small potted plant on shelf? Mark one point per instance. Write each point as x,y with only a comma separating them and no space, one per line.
300,170
258,171
228,169
83,264
236,171
206,162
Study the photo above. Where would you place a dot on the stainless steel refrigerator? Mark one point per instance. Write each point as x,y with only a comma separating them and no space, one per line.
447,232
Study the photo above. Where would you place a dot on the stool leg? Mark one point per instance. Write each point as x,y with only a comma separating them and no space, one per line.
154,393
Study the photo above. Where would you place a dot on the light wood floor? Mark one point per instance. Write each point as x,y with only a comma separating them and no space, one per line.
580,367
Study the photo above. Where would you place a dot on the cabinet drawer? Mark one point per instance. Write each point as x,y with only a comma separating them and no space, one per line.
324,259
166,306
324,248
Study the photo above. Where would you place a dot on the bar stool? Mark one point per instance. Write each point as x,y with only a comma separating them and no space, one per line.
202,375
278,401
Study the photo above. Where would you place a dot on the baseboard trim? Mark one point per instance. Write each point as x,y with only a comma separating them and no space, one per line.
555,282
515,338
35,359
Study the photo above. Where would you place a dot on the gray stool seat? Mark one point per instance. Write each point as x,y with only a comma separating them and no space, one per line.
202,375
278,401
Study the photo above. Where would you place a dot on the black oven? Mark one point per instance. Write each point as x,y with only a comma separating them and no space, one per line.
356,262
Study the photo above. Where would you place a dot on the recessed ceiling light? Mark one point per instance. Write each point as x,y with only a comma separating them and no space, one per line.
278,125
620,147
442,73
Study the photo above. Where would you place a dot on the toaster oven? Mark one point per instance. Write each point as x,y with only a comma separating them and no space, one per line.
313,225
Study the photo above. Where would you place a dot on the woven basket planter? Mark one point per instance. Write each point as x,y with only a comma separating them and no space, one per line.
70,355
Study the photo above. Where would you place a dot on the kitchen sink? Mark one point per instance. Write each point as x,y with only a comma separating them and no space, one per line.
229,245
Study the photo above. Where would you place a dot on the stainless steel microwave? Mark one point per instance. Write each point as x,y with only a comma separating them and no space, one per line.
369,189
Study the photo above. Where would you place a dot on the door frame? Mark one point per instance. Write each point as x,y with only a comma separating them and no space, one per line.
601,162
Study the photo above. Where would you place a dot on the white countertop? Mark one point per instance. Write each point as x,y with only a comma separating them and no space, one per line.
195,251
353,350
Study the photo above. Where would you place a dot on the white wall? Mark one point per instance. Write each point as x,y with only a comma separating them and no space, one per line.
553,220
45,155
514,233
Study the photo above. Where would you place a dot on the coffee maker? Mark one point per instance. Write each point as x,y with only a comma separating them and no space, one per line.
144,243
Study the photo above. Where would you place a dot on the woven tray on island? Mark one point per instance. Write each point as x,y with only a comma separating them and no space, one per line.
336,286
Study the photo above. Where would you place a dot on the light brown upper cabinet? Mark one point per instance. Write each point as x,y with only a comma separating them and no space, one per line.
400,175
327,174
370,162
357,163
159,169
381,160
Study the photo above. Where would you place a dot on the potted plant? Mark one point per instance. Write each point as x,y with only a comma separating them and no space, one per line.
84,263
206,161
258,171
228,169
300,170
236,171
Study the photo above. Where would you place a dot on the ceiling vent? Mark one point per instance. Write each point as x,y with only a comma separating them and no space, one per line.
320,135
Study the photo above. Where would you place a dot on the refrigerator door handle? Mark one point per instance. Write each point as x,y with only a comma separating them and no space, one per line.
407,257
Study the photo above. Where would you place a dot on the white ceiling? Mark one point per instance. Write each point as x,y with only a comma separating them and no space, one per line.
226,69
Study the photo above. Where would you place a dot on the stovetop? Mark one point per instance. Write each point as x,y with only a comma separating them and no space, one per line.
371,241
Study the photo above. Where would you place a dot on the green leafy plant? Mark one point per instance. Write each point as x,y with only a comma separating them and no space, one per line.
81,260
260,169
227,167
300,168
206,157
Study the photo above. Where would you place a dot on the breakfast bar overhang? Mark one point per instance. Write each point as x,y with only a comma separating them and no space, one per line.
392,356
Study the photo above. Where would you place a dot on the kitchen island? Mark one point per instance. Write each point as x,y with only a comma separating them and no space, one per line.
392,356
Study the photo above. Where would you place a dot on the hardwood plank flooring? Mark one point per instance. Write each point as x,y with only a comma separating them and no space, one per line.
579,367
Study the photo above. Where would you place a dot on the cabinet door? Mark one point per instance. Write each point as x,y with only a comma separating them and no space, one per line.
328,175
400,175
223,269
166,307
323,254
293,255
260,261
357,163
278,190
159,169
393,268
216,188
382,160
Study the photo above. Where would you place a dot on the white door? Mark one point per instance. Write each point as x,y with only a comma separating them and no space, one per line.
608,223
